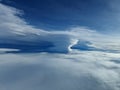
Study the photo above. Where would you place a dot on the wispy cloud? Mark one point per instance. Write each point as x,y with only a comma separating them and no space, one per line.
16,33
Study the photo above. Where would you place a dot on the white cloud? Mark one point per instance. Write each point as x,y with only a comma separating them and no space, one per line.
79,70
12,28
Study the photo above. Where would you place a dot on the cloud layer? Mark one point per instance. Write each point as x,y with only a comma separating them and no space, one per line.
79,70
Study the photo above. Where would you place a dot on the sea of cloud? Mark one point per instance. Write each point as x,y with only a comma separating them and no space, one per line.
75,59
86,70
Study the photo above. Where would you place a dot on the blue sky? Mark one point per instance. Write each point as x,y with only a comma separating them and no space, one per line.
59,45
60,32
101,15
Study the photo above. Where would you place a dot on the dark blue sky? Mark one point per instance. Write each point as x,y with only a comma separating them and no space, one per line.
61,14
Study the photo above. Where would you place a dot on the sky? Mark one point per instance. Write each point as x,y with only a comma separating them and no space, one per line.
59,45
101,15
18,33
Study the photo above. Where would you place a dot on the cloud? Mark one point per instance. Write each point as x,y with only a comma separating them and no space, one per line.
79,70
96,68
16,33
